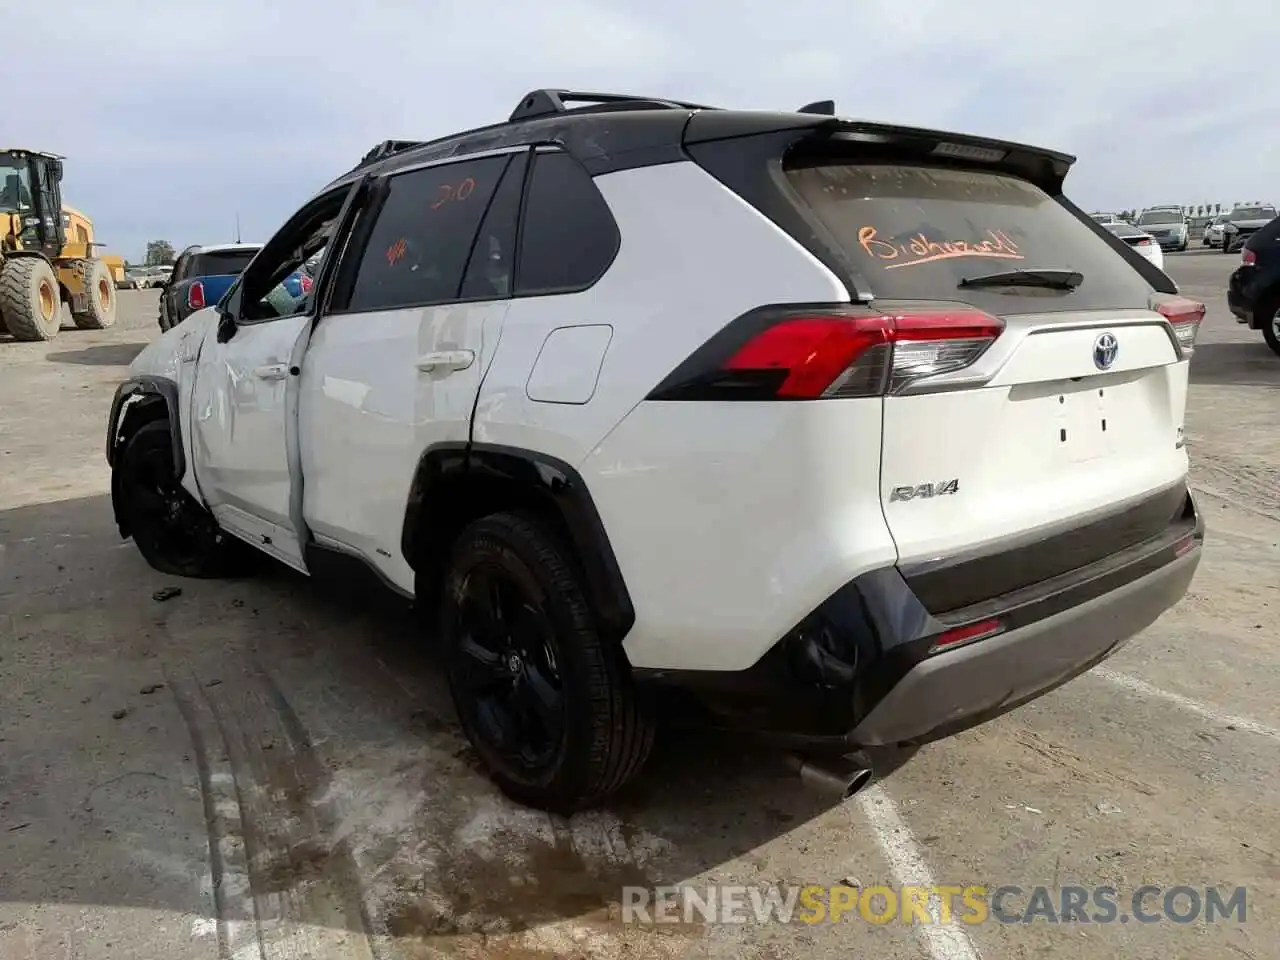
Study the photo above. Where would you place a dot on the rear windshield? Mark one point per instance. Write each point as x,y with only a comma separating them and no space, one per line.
1253,213
217,263
1124,230
915,232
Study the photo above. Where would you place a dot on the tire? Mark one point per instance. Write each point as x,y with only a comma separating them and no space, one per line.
100,297
590,731
172,531
1268,318
29,298
1226,245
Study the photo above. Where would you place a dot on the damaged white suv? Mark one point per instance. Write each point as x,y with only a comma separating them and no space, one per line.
854,435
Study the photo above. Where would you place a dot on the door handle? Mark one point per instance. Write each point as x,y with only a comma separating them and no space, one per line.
271,371
446,361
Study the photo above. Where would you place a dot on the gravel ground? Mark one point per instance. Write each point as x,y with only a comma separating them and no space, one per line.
265,769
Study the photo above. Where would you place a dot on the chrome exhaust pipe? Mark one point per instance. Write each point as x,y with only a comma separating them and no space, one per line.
839,777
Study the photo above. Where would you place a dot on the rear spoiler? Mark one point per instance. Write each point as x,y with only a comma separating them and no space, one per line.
1045,168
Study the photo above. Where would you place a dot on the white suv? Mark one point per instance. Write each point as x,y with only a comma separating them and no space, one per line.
851,434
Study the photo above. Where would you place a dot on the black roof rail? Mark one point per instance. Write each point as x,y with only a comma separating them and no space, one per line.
548,102
826,108
388,147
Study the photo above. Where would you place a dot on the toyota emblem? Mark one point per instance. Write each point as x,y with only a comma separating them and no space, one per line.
1105,349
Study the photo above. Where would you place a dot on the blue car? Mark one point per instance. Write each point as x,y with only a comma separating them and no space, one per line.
202,275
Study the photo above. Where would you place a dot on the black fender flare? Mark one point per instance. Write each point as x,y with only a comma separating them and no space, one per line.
552,484
158,390
149,385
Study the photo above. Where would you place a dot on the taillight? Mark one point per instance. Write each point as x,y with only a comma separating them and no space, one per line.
195,296
789,353
1144,242
305,283
1248,256
1184,315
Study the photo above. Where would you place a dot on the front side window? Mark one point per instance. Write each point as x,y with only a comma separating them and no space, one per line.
15,185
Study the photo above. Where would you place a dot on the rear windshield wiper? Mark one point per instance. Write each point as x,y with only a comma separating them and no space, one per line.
1053,278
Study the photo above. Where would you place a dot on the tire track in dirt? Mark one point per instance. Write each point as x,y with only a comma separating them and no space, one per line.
282,889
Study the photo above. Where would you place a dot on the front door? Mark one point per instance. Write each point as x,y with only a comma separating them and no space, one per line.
244,438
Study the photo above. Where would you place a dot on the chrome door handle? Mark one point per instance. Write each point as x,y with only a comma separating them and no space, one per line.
272,371
446,361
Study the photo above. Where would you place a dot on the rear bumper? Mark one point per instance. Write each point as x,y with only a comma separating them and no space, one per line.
958,689
862,670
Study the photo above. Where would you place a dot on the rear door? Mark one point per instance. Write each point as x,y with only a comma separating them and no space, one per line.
1076,407
395,362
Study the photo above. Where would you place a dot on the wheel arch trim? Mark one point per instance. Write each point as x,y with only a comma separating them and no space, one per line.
144,385
556,485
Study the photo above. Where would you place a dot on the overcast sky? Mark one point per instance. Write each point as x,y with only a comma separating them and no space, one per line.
176,114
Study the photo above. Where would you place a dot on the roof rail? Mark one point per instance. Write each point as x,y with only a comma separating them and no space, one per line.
548,102
388,147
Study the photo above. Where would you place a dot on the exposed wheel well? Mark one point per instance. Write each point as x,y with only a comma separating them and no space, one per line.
138,402
456,485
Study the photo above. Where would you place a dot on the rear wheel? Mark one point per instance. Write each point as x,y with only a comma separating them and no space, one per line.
29,298
547,703
1269,321
174,533
100,297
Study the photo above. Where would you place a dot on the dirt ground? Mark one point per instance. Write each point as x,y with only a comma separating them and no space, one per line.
267,769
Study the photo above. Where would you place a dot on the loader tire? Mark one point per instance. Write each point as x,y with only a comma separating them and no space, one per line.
100,297
29,298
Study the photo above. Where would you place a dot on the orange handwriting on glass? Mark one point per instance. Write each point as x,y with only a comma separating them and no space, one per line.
395,252
995,244
452,192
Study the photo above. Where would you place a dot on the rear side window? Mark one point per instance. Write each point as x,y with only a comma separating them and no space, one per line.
915,232
568,237
218,263
419,245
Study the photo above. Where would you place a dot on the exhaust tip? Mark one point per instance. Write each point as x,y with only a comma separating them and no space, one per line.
839,777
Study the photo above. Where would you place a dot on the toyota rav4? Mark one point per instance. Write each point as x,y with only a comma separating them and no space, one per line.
850,434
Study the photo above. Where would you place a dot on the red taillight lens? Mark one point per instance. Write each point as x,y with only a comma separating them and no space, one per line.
195,296
969,633
305,282
810,355
1184,315
1248,256
1144,242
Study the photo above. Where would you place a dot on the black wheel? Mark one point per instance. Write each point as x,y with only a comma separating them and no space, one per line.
1226,244
1269,320
547,703
174,533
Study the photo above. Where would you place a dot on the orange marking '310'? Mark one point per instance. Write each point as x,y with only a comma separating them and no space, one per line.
920,249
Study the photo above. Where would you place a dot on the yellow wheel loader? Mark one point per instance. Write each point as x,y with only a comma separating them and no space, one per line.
47,253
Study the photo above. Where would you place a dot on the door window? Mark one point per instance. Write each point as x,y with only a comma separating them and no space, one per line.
493,257
419,245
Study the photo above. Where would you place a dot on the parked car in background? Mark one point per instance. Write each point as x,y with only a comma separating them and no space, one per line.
1168,225
1106,218
1242,223
1253,292
1213,232
201,275
831,484
1140,240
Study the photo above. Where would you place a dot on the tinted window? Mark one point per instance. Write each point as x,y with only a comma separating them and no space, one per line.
420,242
493,257
217,263
915,232
1266,237
568,237
1253,213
